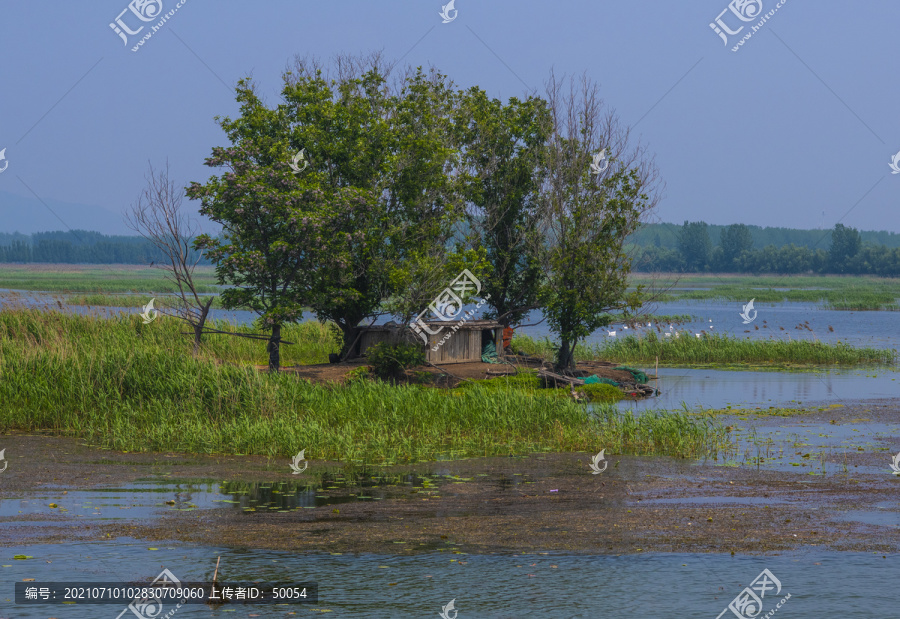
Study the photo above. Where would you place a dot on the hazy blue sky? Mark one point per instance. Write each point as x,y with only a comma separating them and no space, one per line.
802,119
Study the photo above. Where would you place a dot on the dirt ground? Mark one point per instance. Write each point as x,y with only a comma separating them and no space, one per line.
541,502
450,375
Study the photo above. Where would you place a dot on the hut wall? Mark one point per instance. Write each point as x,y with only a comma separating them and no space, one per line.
464,346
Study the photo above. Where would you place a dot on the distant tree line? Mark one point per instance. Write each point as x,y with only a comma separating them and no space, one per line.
666,235
78,247
695,252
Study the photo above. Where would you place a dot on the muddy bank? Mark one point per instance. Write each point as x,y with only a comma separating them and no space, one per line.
544,502
450,375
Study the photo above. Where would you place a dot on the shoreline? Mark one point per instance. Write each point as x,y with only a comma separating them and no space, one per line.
639,505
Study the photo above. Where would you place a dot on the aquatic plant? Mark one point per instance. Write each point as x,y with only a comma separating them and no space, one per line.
122,384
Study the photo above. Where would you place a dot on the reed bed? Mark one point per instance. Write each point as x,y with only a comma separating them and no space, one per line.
131,386
100,299
713,348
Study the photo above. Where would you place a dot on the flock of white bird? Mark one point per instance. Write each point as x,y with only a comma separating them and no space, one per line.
669,333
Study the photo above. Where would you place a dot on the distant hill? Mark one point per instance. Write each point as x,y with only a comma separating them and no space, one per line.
666,236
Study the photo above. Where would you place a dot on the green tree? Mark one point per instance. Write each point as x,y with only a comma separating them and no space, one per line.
503,147
845,244
734,240
586,217
694,245
274,224
381,154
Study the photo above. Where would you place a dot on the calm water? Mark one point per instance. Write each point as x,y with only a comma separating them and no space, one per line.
545,585
722,388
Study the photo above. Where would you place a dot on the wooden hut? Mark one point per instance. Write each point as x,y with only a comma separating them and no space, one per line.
462,345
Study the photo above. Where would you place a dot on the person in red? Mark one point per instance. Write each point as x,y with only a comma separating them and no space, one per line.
507,337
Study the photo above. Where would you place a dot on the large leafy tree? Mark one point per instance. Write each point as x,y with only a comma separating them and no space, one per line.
845,244
586,216
381,153
694,245
275,226
735,239
502,148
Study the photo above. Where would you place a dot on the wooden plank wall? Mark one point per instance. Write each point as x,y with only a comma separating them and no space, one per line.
464,346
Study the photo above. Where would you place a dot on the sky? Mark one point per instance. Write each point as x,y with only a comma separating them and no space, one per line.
797,128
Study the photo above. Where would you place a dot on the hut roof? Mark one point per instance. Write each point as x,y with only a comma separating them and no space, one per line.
469,324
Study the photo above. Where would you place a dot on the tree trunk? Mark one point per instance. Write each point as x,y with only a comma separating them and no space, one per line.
198,328
350,333
565,358
274,341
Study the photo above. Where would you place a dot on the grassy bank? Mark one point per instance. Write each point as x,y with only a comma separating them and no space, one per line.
130,386
101,299
720,349
834,292
94,278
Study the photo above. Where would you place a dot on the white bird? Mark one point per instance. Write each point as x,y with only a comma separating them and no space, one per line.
611,333
649,325
668,335
698,335
625,327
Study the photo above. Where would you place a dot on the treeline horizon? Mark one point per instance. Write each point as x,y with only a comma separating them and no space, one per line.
80,247
841,251
657,247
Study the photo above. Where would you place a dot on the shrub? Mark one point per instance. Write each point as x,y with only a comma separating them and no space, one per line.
601,392
363,372
390,360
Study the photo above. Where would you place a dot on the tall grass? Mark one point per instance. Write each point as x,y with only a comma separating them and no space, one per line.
712,348
101,299
126,385
718,348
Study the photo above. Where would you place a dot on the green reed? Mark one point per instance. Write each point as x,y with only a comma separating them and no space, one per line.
712,348
126,385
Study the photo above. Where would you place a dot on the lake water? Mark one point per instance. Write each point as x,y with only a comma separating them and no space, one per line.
739,389
540,585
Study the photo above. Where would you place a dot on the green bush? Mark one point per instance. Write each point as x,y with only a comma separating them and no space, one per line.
601,392
390,360
363,372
